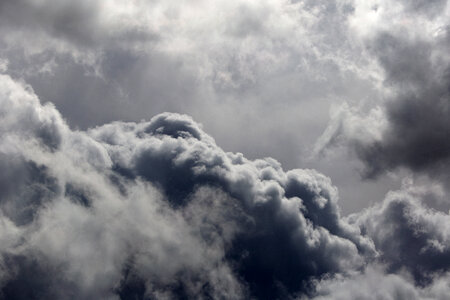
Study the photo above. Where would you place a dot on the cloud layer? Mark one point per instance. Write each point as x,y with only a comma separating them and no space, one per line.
100,62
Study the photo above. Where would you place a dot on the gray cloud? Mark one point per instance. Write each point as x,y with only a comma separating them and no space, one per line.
408,235
419,126
100,62
70,221
226,64
413,247
429,8
411,128
157,209
175,154
374,283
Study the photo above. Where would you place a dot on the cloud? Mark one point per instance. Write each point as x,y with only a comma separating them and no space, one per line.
105,61
413,247
72,226
411,127
157,209
375,284
408,234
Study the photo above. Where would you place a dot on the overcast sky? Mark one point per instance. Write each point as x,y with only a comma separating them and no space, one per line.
224,149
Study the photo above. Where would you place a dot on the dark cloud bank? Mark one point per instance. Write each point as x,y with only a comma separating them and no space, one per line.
156,210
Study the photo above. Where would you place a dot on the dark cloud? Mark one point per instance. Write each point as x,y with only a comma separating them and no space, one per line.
175,154
419,123
413,245
418,119
408,235
157,209
413,129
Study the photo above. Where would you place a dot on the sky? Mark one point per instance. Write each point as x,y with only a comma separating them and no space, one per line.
234,149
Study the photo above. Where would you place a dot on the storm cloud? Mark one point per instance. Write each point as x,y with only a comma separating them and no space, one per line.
413,247
408,234
158,209
411,129
104,194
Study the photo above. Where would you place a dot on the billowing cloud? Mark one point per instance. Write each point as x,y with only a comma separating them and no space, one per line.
157,209
412,127
413,245
408,235
95,204
374,283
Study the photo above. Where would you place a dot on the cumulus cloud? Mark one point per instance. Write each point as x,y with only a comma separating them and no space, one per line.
413,247
408,234
157,209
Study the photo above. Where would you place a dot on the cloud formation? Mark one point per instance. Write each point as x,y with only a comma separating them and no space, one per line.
408,235
104,61
374,283
157,209
412,127
413,244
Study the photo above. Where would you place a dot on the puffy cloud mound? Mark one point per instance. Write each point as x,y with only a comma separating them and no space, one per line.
408,235
413,243
157,210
